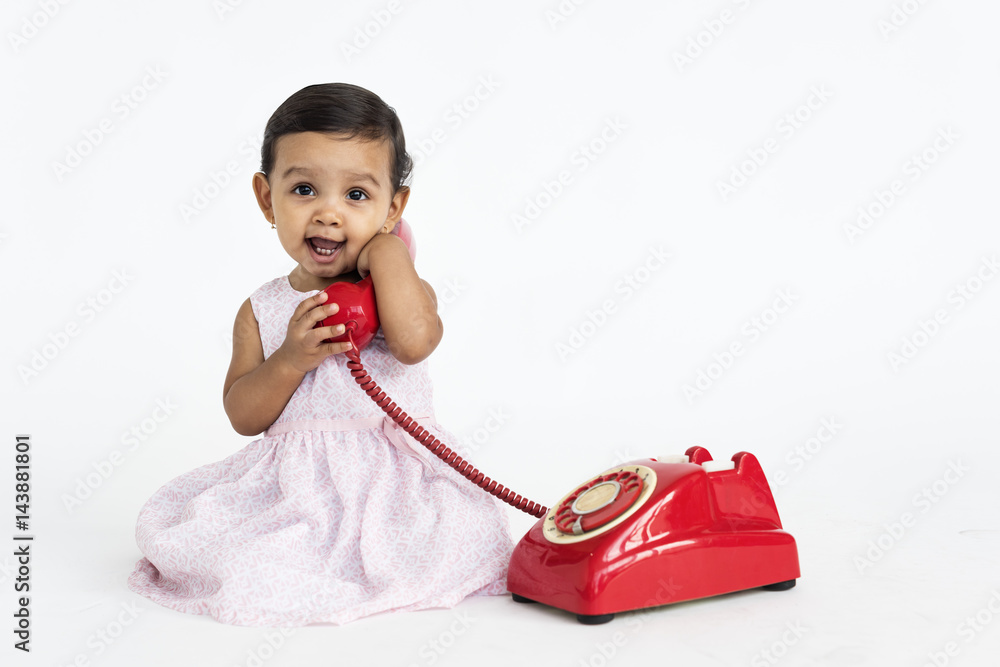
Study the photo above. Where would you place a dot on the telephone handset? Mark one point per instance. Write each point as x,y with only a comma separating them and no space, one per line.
357,310
647,533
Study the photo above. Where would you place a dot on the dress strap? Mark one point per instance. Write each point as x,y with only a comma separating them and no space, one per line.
400,438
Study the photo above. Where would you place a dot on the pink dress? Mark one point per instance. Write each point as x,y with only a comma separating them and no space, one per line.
334,514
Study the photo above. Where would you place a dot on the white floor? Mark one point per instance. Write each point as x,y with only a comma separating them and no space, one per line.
930,589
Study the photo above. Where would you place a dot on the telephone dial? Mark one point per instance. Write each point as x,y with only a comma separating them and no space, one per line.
652,531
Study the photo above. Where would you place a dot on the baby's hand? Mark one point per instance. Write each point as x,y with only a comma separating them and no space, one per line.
377,243
304,348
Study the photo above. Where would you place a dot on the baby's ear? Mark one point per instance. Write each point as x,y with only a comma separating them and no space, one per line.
397,205
262,190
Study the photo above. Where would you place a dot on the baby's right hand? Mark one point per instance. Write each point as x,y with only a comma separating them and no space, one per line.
303,348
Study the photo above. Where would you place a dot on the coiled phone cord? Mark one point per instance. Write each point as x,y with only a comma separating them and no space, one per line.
425,438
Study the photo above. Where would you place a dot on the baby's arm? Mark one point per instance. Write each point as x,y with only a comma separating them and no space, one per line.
407,306
257,390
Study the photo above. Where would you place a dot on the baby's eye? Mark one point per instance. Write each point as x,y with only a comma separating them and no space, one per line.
298,189
357,195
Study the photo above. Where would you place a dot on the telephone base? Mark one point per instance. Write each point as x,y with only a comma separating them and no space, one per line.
695,531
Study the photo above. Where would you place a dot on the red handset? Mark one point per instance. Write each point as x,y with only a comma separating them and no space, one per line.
358,312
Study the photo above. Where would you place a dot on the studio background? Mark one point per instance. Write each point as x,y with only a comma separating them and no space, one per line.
609,199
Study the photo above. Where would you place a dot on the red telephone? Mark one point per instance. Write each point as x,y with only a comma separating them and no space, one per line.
643,534
653,532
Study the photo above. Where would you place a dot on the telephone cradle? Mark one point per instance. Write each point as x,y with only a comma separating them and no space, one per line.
643,534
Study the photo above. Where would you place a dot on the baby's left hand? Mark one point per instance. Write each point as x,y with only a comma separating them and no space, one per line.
380,239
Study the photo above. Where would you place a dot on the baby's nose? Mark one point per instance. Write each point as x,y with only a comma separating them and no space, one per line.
329,213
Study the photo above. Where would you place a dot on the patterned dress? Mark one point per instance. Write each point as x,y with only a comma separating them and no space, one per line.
334,514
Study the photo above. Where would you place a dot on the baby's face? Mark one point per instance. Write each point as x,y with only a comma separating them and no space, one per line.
328,196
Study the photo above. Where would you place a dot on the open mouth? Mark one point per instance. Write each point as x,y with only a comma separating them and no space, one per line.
325,248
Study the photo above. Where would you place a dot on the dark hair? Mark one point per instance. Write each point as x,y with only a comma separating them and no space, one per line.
339,108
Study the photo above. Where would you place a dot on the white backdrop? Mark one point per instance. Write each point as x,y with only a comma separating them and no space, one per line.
763,226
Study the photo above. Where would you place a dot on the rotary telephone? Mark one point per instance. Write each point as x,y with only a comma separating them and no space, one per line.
650,532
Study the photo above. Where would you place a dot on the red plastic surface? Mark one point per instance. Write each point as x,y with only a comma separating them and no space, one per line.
357,305
699,534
